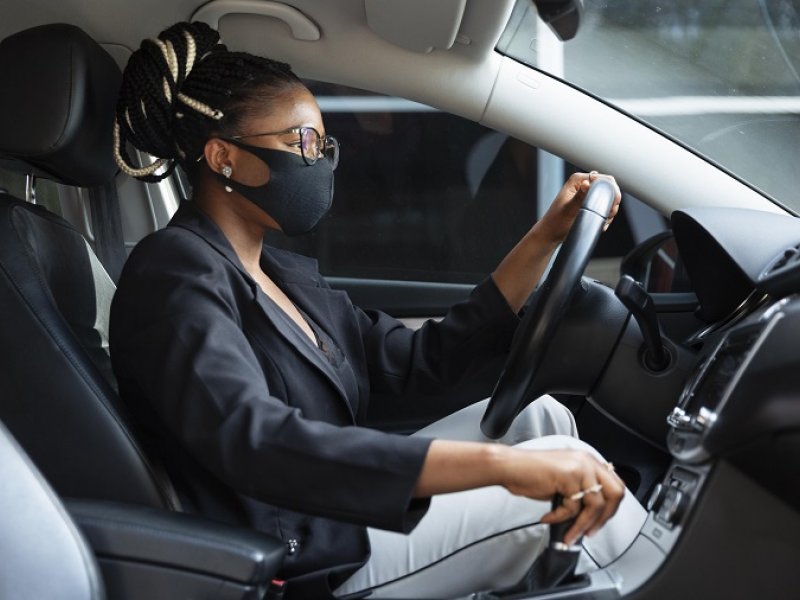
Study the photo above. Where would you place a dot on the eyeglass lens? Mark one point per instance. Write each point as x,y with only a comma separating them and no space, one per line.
312,147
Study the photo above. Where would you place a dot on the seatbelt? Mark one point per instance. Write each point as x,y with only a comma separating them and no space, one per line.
109,244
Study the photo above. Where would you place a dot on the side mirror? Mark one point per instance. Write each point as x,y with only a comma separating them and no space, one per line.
656,264
562,16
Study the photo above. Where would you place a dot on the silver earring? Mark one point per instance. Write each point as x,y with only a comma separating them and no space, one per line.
227,172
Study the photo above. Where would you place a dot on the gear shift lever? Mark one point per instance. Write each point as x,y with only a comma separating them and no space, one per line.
552,568
556,565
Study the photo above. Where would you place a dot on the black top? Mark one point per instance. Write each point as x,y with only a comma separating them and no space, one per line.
257,424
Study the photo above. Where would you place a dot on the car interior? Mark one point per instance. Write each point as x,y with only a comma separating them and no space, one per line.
679,360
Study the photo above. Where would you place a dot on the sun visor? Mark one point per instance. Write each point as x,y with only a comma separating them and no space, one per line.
417,25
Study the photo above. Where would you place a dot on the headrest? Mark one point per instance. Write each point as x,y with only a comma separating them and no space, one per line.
57,104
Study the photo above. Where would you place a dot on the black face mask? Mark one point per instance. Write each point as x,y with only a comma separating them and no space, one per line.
297,195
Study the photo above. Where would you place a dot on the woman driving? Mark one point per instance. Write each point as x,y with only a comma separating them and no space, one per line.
252,377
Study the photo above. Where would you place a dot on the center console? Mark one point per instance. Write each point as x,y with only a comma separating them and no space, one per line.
722,436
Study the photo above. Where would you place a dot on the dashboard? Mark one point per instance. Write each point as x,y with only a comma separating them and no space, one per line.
744,392
728,408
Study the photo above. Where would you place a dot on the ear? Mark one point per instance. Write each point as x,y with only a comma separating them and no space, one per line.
218,153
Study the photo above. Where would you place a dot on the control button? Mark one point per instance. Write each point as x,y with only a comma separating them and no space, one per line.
673,507
656,498
705,417
678,419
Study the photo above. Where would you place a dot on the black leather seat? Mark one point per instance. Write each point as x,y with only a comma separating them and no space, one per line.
56,116
58,393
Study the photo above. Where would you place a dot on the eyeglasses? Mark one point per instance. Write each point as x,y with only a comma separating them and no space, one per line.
312,145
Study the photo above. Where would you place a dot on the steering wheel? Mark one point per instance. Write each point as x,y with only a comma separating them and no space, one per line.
521,380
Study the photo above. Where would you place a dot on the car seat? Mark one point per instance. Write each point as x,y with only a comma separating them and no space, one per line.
43,553
56,116
58,393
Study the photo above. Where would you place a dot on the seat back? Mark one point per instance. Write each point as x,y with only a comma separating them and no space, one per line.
58,395
44,554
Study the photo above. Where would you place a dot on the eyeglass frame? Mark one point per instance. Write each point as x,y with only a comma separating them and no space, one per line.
327,141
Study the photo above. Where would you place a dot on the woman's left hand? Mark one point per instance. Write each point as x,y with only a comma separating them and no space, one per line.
558,219
521,269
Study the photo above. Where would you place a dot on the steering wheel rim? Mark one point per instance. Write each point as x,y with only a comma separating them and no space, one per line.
520,382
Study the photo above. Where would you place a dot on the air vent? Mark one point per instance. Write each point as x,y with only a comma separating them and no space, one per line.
782,276
788,258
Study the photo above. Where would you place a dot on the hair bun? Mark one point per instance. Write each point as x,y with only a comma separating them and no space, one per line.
182,46
183,88
151,97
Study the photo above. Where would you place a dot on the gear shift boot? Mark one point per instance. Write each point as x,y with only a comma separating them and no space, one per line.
553,569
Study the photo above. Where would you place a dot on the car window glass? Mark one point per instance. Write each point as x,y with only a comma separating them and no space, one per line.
721,76
424,195
14,183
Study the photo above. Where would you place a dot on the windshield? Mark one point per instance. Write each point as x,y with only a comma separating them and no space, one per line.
720,76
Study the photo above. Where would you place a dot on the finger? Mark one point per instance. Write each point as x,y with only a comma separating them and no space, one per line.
613,212
561,513
593,505
576,181
584,184
613,492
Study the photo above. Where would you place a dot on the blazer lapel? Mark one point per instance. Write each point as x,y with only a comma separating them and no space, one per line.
300,282
300,342
191,218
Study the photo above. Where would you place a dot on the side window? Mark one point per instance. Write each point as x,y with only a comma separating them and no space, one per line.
67,202
70,203
144,207
46,194
424,195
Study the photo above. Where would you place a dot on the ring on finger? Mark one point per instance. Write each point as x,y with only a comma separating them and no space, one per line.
578,495
592,489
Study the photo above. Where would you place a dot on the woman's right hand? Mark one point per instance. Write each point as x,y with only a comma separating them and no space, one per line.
591,489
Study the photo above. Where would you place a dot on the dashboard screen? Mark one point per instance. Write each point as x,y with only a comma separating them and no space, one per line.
722,368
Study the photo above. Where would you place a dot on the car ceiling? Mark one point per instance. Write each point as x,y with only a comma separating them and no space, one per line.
465,78
345,34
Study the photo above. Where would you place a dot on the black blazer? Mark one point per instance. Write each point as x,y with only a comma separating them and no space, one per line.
250,415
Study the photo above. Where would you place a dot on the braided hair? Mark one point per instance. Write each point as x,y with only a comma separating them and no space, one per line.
183,88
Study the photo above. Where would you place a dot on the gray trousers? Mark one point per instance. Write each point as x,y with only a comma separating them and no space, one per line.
485,538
